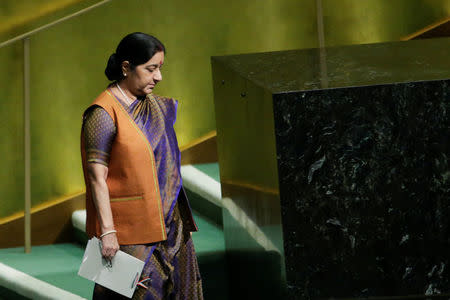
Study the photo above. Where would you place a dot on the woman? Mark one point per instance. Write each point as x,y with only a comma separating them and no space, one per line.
131,164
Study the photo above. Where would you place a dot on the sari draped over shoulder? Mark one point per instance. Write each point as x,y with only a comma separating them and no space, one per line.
156,116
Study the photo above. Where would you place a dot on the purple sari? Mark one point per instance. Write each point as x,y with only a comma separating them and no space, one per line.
171,268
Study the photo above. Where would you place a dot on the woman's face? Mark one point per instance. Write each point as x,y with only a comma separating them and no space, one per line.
144,77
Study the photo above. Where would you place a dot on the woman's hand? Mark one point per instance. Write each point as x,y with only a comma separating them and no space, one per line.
110,246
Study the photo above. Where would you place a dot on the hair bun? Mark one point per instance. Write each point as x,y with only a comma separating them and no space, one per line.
112,70
113,58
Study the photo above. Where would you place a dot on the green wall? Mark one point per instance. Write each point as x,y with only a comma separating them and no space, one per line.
11,130
67,63
373,21
15,13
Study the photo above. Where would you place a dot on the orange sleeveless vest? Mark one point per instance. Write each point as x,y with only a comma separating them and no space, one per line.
132,181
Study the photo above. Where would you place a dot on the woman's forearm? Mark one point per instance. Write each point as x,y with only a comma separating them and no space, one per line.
97,174
100,195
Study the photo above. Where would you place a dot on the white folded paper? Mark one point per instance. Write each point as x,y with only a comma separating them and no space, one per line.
122,277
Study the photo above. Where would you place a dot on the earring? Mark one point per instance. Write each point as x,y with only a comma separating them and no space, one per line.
124,74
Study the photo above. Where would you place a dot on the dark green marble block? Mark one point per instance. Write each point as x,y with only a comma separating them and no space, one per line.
365,189
335,169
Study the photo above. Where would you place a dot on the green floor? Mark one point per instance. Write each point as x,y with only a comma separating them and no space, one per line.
58,264
211,169
197,201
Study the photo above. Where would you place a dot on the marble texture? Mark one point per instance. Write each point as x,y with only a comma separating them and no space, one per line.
365,186
344,66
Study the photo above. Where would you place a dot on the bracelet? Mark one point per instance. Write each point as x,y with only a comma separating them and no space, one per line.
108,232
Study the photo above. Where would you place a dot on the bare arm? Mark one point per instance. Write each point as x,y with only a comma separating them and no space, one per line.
97,174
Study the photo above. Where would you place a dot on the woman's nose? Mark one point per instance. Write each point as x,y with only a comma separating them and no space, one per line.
158,76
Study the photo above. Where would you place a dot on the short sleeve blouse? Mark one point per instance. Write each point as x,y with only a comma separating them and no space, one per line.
99,134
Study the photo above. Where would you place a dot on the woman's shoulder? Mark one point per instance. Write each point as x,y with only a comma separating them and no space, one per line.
164,99
103,103
169,103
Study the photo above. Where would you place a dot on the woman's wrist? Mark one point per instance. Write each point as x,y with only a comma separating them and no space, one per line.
106,226
108,232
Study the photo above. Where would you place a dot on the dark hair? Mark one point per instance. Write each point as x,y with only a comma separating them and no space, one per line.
137,48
